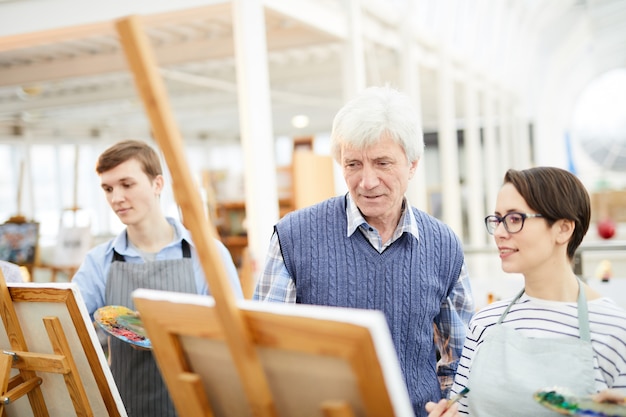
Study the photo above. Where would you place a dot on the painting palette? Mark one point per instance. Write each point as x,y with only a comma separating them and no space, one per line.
559,400
124,324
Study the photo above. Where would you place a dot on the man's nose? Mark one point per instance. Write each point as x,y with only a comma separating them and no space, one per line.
117,195
369,177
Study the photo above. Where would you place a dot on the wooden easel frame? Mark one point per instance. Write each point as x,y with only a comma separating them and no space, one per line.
240,331
319,360
50,344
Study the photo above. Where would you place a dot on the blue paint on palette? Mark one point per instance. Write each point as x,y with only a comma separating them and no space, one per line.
563,402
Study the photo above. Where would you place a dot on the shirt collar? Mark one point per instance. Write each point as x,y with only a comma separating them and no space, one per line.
121,246
407,222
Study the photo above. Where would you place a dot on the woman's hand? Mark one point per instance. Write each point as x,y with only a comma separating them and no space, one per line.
441,409
610,396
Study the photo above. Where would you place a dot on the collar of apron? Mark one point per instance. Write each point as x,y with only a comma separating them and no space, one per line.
583,314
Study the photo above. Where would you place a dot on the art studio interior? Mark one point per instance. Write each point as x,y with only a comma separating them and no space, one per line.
251,89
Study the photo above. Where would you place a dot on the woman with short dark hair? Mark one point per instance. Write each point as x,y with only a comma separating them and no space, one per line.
557,332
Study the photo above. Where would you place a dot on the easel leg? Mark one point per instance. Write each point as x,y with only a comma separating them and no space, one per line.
337,409
5,372
72,379
192,385
18,342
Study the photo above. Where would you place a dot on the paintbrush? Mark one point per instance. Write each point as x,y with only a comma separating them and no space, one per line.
457,397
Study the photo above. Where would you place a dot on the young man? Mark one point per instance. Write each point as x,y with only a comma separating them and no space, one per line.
153,252
370,249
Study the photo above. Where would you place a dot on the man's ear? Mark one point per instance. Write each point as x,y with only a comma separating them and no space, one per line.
159,181
413,167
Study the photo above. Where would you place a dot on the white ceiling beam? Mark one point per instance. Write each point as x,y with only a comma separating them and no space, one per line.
319,17
23,17
167,54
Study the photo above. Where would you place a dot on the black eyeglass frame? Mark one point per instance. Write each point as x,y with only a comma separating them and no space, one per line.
492,218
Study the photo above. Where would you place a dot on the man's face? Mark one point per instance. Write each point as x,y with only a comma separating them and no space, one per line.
130,192
377,178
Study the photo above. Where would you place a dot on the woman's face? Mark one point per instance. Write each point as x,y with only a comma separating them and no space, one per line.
532,248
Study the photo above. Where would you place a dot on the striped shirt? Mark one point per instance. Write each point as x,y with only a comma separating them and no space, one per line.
537,318
275,284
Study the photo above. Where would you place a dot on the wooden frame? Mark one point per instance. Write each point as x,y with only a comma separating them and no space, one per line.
315,358
53,350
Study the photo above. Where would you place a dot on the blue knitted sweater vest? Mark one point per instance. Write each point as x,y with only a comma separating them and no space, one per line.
407,282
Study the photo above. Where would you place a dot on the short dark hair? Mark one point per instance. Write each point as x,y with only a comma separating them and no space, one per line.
130,149
556,194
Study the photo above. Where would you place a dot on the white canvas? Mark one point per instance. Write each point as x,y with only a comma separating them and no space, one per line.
298,380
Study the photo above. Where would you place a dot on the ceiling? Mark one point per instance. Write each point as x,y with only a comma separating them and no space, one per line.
72,84
76,86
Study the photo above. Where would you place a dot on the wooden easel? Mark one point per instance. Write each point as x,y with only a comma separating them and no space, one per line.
49,351
29,363
142,63
343,363
73,238
238,331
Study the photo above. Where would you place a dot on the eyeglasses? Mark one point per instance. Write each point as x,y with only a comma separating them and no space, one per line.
513,222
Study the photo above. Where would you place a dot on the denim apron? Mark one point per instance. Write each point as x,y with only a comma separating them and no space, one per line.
136,373
509,367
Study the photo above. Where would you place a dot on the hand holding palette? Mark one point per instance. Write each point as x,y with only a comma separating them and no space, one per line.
559,400
124,324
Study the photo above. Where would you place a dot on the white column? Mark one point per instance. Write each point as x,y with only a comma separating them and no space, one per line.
448,148
255,121
417,192
504,122
521,137
26,204
493,176
353,56
474,181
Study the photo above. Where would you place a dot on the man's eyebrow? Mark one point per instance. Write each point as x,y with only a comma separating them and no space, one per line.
348,159
104,184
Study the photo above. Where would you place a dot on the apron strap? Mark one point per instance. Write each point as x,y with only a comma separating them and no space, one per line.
583,313
186,249
117,257
503,315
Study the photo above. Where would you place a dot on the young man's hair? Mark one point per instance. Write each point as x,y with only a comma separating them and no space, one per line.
130,149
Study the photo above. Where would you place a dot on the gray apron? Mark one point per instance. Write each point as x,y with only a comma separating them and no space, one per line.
136,373
509,367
